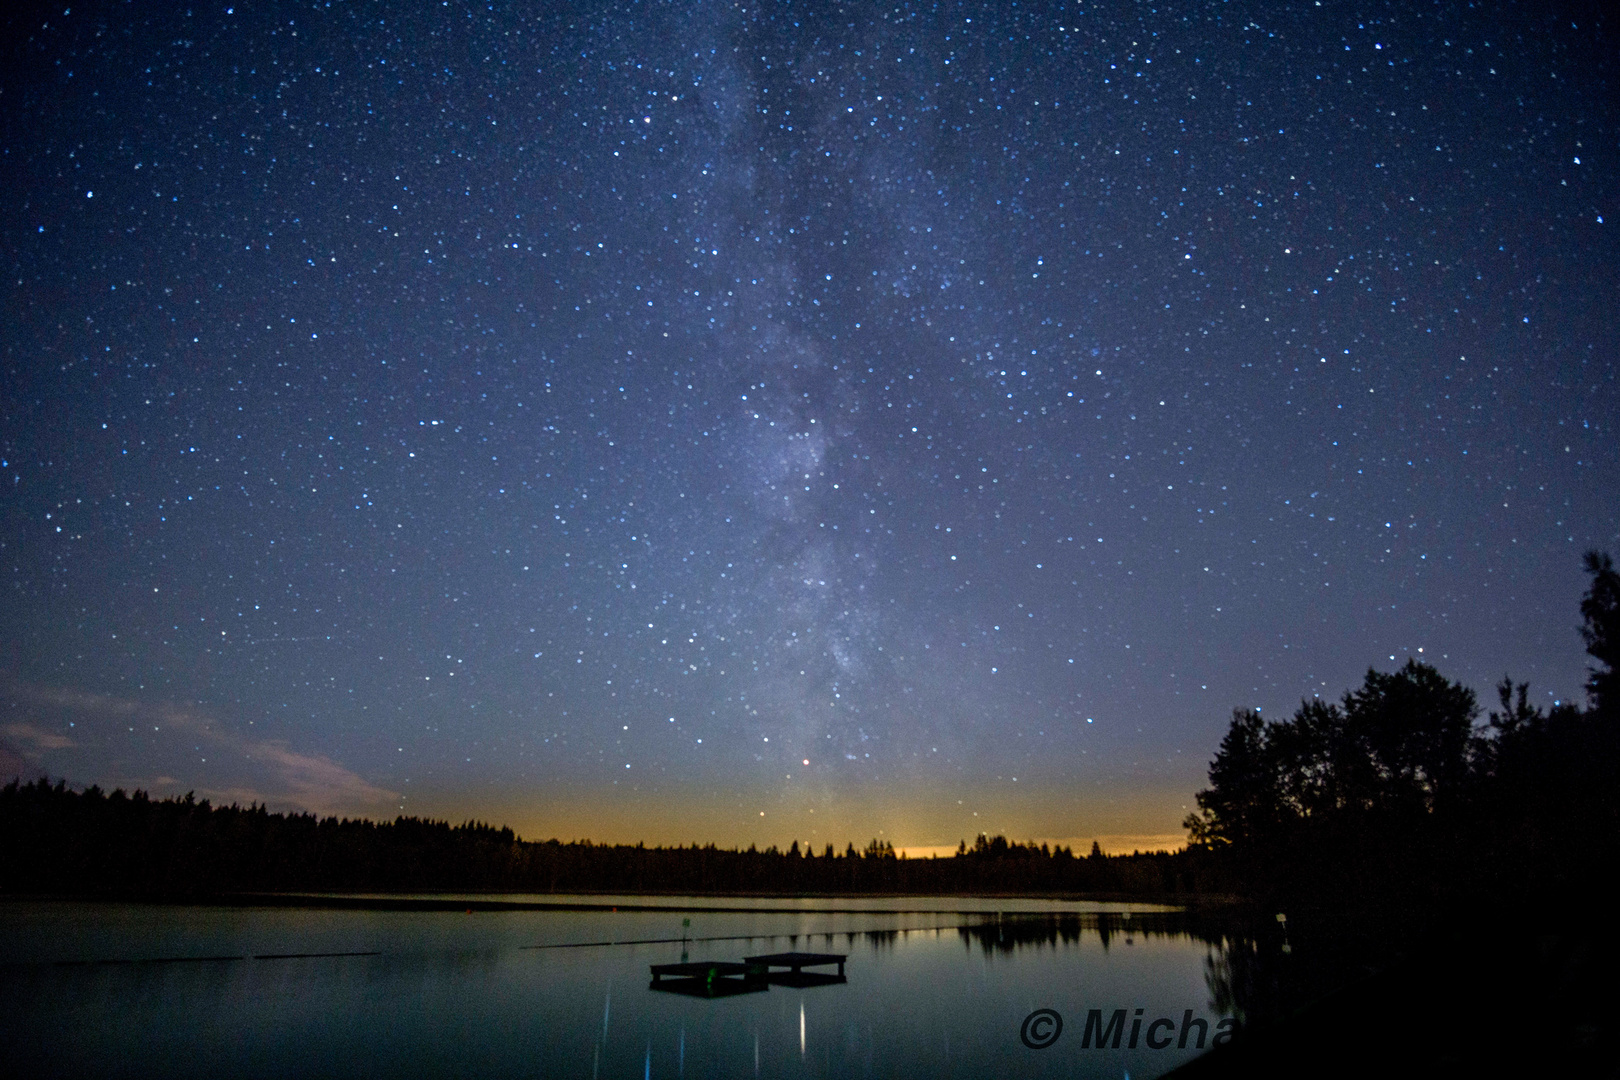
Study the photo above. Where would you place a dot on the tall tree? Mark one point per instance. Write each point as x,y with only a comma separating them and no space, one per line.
1418,727
1242,801
1323,762
1600,608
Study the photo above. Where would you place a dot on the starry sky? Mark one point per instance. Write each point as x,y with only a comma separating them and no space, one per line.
751,422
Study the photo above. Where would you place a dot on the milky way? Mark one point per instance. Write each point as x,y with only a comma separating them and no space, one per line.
731,422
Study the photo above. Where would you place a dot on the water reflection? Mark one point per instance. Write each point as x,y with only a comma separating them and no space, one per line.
752,975
1008,933
714,987
1263,968
929,990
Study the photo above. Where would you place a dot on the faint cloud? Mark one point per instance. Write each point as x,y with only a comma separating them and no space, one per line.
316,780
39,740
169,747
11,762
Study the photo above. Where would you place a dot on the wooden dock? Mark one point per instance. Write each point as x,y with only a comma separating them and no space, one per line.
796,962
723,978
709,978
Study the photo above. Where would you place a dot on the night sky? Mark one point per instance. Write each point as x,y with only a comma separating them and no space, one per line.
755,423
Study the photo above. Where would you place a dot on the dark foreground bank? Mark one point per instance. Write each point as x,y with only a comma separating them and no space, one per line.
1529,995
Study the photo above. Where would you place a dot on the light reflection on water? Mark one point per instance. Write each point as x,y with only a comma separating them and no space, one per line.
936,986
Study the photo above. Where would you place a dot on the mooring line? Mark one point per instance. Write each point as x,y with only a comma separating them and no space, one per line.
149,960
526,948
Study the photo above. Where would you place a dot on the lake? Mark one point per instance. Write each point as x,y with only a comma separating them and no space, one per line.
933,986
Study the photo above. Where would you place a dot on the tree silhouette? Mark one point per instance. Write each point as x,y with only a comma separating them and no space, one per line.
1395,796
1416,727
54,839
1600,609
1241,804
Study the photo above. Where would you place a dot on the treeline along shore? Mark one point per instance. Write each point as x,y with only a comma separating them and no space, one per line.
1427,871
1397,797
56,840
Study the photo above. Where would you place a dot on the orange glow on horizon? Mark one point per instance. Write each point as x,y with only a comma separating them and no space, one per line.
916,819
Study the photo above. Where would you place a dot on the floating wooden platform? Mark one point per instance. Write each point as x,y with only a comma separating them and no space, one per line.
702,969
795,962
709,978
723,978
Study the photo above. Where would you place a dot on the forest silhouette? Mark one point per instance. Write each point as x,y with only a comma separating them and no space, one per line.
54,839
1438,883
1394,795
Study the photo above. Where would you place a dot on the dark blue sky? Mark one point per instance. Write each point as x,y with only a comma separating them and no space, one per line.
748,423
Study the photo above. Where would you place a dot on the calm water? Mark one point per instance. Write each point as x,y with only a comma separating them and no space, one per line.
935,987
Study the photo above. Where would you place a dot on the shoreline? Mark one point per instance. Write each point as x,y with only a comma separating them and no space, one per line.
468,901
